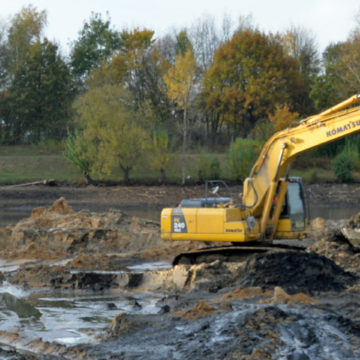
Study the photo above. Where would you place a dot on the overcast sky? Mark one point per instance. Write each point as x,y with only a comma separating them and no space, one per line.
328,20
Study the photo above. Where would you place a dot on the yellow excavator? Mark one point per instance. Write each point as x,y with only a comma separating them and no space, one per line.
273,204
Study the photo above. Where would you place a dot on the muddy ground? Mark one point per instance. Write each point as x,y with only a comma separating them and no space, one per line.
148,198
278,305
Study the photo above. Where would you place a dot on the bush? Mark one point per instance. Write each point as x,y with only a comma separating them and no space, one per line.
214,169
209,167
159,155
75,150
343,167
351,150
241,156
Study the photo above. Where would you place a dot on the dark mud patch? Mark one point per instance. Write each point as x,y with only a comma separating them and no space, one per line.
245,331
295,272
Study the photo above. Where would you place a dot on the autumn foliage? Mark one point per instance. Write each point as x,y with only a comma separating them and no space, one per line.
202,86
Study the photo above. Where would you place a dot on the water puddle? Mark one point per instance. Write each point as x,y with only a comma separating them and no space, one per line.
137,268
333,212
151,266
68,318
14,290
12,265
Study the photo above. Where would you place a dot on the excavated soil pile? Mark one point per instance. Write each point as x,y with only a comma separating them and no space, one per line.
338,249
295,272
341,245
60,231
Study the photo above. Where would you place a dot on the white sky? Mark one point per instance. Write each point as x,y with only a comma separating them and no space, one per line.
329,20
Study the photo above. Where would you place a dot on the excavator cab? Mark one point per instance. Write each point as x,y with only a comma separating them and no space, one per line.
293,217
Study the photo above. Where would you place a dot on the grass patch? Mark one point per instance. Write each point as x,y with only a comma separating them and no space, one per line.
21,164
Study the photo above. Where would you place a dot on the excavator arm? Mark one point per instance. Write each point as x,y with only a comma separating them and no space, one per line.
283,147
272,206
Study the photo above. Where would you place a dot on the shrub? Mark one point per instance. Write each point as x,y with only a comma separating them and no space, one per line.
343,166
242,155
209,167
351,150
203,167
214,169
75,150
160,156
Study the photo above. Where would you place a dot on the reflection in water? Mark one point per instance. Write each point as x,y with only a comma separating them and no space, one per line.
65,318
332,212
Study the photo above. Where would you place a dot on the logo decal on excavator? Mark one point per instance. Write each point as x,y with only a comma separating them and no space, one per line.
340,129
178,222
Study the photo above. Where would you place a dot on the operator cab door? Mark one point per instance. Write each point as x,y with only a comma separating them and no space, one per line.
293,219
294,208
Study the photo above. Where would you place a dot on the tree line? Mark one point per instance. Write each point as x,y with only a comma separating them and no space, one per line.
124,94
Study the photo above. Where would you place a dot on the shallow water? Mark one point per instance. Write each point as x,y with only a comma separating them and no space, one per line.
333,212
68,318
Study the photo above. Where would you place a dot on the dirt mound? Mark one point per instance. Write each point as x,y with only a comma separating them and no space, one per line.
281,296
60,231
294,272
200,310
278,295
245,293
337,247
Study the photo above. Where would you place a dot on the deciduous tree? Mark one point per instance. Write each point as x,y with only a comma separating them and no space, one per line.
300,44
250,75
180,81
97,43
4,57
25,29
282,117
340,78
139,67
113,132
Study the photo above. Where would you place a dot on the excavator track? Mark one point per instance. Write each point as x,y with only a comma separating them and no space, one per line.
231,253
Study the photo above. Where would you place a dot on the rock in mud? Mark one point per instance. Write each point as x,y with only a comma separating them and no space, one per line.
123,324
352,231
22,308
208,276
59,277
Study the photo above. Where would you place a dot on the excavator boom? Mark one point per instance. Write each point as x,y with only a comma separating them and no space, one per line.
283,147
272,206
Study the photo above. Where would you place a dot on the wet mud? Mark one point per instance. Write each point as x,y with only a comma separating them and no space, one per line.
86,284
